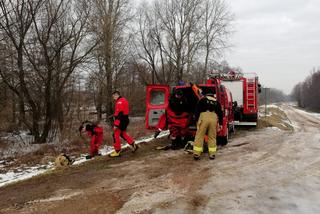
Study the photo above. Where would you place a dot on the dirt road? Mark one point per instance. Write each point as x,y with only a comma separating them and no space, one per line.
264,171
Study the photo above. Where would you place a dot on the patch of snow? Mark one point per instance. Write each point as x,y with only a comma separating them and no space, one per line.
313,114
269,113
19,148
106,150
19,136
21,143
56,198
29,172
262,114
274,128
293,103
4,163
272,106
80,160
139,202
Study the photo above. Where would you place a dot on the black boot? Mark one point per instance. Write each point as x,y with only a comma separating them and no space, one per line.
196,157
175,143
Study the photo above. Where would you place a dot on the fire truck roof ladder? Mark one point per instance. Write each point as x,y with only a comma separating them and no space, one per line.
251,93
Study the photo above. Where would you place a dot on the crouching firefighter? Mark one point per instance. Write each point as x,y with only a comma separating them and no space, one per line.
210,115
96,134
176,118
121,122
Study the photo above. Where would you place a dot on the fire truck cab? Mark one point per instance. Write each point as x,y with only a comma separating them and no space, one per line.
157,100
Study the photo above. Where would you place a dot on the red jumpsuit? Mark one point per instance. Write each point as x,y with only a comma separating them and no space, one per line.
176,123
121,122
96,140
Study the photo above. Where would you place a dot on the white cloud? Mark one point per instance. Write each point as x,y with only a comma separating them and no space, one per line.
279,40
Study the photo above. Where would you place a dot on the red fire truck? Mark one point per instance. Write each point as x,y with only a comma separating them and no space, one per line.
244,89
157,99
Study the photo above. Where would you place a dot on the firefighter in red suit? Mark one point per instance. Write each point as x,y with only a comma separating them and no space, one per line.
96,134
121,122
176,119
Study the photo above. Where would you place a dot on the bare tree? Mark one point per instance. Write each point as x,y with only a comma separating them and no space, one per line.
54,50
15,21
168,38
306,93
179,19
217,21
109,23
50,39
149,44
175,34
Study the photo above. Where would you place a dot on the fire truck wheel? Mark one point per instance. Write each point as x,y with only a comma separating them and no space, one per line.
222,141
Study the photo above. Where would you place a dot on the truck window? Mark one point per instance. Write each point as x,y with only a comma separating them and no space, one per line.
157,97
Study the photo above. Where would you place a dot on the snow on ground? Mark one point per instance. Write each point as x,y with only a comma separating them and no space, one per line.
313,114
62,196
28,172
262,110
273,106
18,143
317,115
19,136
305,112
273,128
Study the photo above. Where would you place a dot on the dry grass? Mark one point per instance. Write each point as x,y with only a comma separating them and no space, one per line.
3,145
277,119
73,145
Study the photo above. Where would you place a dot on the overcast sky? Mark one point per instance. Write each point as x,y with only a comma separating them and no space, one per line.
277,39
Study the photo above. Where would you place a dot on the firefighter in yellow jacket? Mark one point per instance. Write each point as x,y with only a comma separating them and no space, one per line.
210,119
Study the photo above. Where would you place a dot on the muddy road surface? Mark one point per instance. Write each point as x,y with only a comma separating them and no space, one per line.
259,171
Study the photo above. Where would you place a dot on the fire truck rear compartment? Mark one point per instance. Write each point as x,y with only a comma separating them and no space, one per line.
192,100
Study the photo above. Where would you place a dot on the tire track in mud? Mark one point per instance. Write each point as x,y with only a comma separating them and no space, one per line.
305,121
267,148
179,179
273,176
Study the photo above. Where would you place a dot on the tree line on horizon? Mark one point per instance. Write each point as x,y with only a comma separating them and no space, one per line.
272,95
307,93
